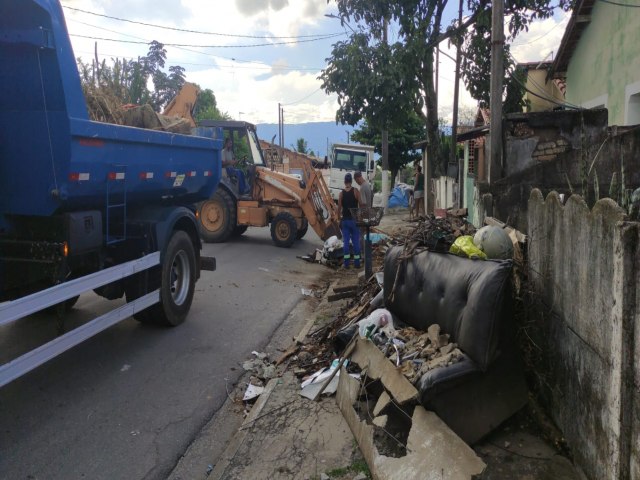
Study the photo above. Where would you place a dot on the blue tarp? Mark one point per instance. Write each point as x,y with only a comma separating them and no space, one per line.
399,196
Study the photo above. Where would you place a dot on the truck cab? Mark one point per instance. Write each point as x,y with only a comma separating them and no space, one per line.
246,149
349,158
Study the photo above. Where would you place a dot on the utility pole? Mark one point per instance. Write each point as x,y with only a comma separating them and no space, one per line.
437,73
385,143
279,126
454,127
497,72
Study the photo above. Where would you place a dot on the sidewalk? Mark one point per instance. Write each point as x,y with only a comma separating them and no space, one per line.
286,436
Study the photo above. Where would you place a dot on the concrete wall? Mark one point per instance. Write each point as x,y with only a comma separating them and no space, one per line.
584,273
605,67
606,154
540,137
446,191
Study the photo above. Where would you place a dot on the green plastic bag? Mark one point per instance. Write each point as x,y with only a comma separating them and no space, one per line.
464,247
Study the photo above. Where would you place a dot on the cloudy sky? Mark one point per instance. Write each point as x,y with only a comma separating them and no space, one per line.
254,53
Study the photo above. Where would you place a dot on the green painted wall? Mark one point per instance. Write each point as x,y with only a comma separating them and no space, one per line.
606,60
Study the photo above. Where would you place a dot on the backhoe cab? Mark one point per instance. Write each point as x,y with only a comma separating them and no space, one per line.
287,203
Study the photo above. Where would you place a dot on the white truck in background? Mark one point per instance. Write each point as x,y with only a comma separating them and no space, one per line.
348,158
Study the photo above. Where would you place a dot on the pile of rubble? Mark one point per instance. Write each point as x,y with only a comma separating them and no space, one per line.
415,352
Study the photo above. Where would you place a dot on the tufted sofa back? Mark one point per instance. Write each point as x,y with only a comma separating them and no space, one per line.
465,297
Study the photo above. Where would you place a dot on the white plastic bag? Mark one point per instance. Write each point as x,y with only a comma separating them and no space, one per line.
378,319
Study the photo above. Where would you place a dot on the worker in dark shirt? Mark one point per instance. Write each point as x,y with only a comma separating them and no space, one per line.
349,198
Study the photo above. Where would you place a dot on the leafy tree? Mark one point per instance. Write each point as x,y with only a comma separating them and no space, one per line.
401,141
128,80
378,81
207,107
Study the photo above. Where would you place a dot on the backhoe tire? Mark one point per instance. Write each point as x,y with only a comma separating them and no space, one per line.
176,279
239,230
303,231
284,230
218,217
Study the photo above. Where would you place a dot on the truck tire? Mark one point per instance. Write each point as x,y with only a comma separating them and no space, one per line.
218,217
303,231
284,230
239,230
177,279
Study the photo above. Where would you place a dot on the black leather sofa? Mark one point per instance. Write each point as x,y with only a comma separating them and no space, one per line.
471,301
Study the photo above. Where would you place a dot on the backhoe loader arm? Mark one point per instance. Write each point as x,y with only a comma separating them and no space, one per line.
310,194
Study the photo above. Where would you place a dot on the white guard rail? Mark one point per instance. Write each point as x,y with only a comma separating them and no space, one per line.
22,307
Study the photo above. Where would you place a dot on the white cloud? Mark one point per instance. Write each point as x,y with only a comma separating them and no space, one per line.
254,80
542,40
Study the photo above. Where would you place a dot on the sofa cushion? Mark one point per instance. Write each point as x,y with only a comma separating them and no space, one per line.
465,297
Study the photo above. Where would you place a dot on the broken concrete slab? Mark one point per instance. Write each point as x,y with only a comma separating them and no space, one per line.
369,358
381,421
383,401
434,451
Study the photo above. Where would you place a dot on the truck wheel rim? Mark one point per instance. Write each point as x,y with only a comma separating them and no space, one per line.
212,215
180,277
283,231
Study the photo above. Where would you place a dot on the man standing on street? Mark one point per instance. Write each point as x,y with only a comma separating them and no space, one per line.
366,197
349,198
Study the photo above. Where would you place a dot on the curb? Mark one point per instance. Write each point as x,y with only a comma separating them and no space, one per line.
238,438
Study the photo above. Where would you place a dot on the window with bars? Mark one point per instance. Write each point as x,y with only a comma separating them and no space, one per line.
473,156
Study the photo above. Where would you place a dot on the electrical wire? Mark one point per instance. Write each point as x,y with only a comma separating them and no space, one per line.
618,4
199,32
208,46
264,65
545,96
205,46
210,65
303,98
542,36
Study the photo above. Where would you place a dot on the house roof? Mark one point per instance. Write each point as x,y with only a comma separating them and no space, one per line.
542,65
483,117
473,133
579,21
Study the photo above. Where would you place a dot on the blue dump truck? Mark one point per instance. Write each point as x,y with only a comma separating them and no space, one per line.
86,205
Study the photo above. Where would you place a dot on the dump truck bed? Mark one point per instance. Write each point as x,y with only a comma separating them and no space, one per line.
53,158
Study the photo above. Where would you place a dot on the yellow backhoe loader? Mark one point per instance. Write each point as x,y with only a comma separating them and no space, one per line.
288,203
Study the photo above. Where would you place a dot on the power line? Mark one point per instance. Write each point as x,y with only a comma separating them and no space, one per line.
210,46
303,98
540,37
262,64
617,4
215,66
544,95
164,27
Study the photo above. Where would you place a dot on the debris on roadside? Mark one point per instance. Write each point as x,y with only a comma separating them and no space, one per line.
312,385
260,366
252,392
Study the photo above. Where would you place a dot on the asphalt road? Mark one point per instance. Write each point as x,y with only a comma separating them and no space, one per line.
127,403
